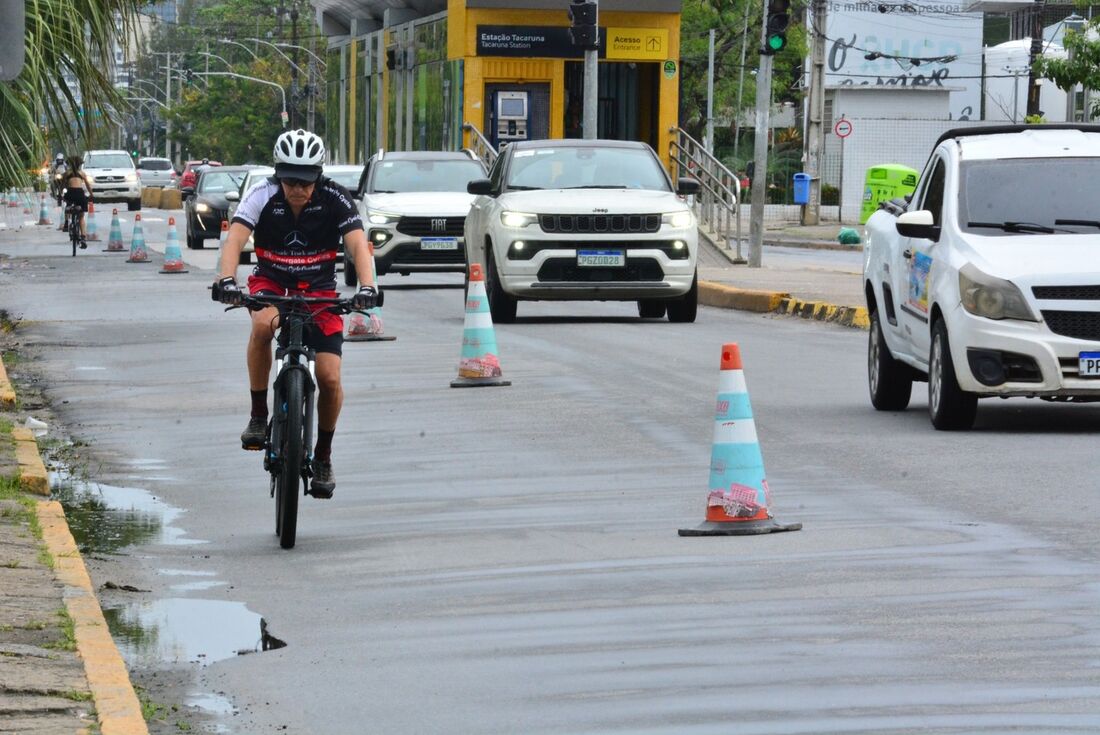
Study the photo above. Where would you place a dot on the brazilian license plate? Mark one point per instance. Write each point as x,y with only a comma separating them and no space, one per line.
1088,365
439,243
598,258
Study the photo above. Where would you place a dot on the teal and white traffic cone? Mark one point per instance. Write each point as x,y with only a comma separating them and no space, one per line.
43,212
138,253
479,363
173,257
89,226
114,238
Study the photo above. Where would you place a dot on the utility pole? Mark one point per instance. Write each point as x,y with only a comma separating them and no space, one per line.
168,101
740,84
294,66
311,118
815,114
1034,53
589,122
773,39
710,95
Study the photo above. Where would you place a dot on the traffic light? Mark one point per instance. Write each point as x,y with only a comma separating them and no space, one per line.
584,32
188,75
775,27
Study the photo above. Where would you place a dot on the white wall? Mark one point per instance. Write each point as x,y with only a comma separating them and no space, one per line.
999,93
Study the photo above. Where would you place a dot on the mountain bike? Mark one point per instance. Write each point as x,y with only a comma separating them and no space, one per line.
72,225
290,431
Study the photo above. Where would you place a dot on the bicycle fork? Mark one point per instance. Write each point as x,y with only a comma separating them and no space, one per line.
273,456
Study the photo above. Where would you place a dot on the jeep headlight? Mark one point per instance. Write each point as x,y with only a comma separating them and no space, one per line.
992,298
200,207
679,220
377,217
517,219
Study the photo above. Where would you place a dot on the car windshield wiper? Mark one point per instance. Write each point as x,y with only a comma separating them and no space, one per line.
514,187
604,186
383,191
1014,226
1079,222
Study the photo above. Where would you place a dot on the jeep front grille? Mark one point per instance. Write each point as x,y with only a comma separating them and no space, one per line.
591,224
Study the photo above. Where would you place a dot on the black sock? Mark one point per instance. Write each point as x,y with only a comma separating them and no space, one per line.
323,450
259,404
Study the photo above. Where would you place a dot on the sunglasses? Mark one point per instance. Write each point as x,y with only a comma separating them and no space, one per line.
297,183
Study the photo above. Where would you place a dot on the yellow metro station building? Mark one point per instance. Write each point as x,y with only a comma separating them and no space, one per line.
408,77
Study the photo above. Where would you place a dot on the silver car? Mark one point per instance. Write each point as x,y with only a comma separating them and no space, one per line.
158,172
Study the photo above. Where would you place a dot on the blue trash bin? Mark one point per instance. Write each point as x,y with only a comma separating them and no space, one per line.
801,188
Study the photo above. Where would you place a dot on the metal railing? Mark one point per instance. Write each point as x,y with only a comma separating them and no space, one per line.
717,205
479,145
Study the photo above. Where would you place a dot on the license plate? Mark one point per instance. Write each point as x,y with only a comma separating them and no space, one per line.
439,243
1089,364
601,257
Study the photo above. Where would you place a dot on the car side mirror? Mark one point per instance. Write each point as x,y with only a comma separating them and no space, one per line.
918,224
186,191
480,187
232,196
686,186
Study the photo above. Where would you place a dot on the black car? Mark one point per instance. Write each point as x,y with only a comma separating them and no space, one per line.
207,207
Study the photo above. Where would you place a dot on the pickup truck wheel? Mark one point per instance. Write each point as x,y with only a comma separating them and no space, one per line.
949,406
684,309
890,381
502,306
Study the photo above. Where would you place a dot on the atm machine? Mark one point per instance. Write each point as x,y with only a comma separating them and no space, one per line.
510,113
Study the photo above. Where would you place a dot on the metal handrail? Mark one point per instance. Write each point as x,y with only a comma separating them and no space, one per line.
718,203
480,146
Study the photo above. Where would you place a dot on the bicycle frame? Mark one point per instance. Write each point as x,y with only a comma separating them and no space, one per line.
288,359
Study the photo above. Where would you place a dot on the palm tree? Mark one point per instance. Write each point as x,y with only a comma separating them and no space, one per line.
63,37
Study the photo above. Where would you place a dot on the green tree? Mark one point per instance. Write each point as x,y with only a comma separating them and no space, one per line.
731,34
64,38
1083,69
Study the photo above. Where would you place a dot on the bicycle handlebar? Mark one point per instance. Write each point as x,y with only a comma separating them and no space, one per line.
337,304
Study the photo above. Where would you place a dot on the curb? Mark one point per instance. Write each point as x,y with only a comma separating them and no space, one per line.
118,710
712,293
7,393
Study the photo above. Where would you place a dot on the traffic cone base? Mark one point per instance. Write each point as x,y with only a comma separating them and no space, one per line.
479,364
739,499
138,253
363,328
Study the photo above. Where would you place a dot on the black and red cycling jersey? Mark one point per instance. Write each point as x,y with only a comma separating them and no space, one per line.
298,253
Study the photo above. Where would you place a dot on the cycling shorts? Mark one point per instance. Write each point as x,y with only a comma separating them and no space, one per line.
77,198
323,333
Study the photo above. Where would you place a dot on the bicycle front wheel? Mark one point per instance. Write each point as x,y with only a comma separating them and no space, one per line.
293,453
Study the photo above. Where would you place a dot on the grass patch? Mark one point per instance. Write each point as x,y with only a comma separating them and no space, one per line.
76,696
152,710
67,641
13,564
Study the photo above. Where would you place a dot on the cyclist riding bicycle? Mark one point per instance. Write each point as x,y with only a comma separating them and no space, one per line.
77,192
297,218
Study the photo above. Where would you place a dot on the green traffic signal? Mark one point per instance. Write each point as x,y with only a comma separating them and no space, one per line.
776,42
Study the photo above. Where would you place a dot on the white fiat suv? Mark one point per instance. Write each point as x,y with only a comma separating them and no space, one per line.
414,205
591,220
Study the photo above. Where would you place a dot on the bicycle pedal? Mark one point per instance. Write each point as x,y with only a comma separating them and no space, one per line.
251,447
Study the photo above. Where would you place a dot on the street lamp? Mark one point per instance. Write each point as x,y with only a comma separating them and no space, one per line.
276,47
238,43
282,92
316,58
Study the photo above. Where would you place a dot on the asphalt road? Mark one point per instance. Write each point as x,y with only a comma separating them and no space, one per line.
505,560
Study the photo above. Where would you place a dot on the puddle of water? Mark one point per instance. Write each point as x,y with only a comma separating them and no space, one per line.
215,704
105,519
182,630
184,573
197,586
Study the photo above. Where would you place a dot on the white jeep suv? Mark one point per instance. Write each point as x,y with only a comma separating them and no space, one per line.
592,220
414,204
114,177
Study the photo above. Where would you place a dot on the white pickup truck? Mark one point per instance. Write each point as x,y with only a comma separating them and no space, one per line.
986,282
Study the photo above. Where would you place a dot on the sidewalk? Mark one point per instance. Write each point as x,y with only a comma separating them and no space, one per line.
59,669
823,288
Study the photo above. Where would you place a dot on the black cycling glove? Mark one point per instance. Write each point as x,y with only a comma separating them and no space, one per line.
227,291
366,298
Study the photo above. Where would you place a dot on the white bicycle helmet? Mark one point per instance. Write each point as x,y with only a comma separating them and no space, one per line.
299,154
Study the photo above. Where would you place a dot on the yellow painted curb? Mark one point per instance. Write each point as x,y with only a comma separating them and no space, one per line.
731,297
116,704
7,394
32,473
848,316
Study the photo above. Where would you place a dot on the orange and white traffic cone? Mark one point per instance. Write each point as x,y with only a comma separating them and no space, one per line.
367,327
479,363
173,257
738,501
138,253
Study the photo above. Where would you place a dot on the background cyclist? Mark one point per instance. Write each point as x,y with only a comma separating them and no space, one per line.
297,218
78,192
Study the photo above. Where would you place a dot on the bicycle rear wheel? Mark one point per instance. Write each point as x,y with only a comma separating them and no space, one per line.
293,452
74,231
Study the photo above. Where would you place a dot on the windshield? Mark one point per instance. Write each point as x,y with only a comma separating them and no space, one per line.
108,160
395,176
346,179
586,167
155,164
1029,196
214,181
